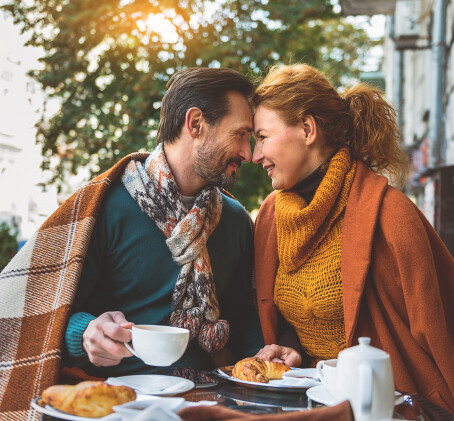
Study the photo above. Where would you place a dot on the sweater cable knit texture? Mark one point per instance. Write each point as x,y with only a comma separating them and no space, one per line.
308,288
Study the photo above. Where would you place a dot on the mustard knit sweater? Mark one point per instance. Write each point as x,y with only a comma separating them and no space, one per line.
308,288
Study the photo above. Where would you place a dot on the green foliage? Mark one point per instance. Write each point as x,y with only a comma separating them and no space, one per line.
252,185
107,62
8,244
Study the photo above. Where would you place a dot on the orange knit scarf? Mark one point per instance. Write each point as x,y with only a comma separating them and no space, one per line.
308,288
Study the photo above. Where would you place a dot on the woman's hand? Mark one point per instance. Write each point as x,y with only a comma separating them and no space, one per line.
280,354
103,339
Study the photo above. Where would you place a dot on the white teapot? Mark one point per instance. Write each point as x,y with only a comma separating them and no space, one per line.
364,376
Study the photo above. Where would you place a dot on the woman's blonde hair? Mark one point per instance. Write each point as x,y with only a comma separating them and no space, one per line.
362,120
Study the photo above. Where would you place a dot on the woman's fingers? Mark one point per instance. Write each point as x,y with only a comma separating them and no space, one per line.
270,351
281,354
291,357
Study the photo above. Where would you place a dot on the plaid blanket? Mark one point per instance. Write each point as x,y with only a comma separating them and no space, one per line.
36,292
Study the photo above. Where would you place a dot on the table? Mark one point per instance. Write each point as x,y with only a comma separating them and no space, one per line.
251,400
242,398
260,401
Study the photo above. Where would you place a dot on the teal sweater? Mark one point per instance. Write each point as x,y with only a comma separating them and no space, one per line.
129,268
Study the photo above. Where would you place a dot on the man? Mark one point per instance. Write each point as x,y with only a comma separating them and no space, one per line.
206,122
151,241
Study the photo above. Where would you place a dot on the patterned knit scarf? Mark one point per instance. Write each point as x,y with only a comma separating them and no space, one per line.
194,299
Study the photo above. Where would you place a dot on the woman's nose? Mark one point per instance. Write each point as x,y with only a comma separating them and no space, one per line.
258,155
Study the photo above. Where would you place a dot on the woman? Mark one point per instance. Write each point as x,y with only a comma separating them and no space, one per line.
339,252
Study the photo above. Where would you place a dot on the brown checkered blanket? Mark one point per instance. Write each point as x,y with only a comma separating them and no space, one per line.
36,293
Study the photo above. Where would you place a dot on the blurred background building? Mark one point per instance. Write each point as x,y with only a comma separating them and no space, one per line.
24,206
418,70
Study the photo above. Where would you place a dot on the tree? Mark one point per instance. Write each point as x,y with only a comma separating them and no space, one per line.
8,244
107,61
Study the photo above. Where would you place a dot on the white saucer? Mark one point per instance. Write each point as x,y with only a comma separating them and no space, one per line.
321,395
153,384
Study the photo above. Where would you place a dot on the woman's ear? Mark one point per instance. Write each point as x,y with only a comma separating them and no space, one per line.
310,129
194,122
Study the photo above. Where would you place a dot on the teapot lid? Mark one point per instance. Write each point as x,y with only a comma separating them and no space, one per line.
364,350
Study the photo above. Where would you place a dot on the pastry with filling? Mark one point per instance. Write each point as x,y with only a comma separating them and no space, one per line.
91,399
255,369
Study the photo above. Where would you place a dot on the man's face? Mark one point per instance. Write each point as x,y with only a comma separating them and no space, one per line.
226,145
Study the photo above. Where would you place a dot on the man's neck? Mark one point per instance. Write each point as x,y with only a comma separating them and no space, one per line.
179,156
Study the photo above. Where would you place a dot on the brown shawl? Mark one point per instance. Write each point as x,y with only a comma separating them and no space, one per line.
397,279
36,292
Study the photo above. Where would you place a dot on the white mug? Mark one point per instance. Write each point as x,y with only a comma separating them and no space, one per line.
326,371
158,345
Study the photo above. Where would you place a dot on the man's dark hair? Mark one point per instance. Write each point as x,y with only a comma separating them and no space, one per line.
201,87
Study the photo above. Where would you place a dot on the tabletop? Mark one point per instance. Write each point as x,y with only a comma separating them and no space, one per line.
244,399
263,401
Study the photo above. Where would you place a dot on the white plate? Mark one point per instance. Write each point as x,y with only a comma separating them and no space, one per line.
130,409
321,395
272,385
153,384
49,410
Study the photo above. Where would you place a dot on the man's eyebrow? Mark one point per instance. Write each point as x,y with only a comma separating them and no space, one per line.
244,128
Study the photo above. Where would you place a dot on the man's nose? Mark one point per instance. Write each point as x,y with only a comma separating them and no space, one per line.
258,155
245,152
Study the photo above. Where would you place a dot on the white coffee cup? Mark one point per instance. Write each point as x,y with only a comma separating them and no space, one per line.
158,345
326,371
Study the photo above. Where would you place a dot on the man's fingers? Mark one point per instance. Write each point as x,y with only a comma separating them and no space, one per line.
115,349
99,357
116,332
118,317
103,341
129,354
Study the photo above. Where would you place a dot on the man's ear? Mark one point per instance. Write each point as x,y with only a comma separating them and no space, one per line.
310,128
194,122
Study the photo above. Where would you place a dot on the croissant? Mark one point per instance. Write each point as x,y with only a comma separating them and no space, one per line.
90,399
255,369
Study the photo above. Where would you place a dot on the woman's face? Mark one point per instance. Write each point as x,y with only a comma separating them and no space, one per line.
282,150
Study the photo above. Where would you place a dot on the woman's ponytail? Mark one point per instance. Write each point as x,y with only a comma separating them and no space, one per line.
375,135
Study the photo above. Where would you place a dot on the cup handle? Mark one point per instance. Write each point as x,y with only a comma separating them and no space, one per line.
319,371
129,347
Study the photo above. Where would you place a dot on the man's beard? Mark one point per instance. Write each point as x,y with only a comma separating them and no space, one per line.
211,164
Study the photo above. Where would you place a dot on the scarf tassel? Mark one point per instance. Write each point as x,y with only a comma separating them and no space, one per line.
212,337
191,319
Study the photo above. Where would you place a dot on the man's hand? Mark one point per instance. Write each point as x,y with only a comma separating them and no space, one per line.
103,339
280,354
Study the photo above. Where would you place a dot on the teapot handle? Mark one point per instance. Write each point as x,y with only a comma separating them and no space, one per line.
365,391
